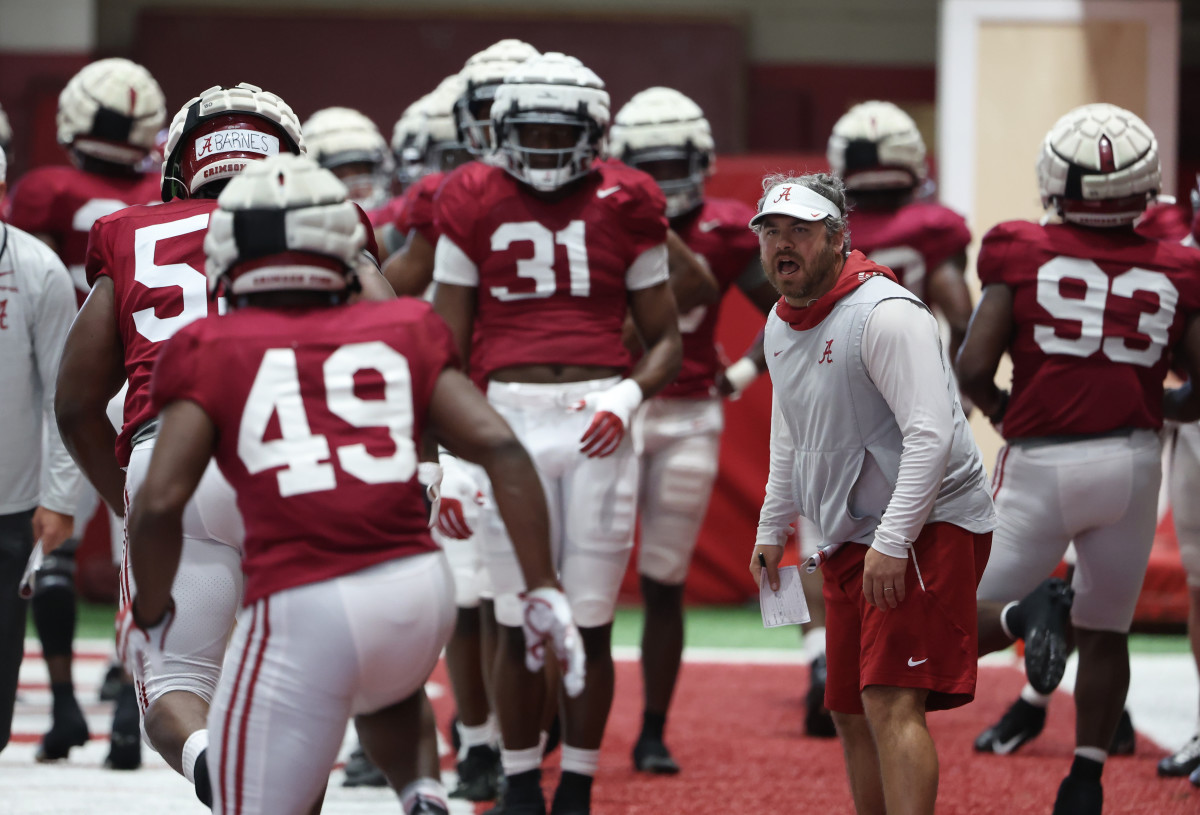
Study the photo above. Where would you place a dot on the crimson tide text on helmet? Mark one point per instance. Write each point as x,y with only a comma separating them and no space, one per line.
550,91
876,146
349,144
283,224
1099,166
664,125
216,134
481,75
111,110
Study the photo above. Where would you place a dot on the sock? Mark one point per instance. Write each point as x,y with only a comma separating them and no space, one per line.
517,762
813,645
203,785
64,694
524,788
579,761
1034,698
193,748
574,791
424,789
1013,621
473,736
54,619
653,725
1088,763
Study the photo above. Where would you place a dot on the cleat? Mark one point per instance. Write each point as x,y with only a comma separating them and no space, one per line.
110,688
360,772
1195,777
652,756
69,729
1184,762
818,721
1124,741
124,752
1020,723
479,775
425,806
1079,797
1047,612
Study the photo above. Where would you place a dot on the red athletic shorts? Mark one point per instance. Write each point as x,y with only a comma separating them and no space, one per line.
929,641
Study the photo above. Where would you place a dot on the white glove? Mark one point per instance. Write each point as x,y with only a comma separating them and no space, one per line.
138,646
461,500
612,407
429,476
548,619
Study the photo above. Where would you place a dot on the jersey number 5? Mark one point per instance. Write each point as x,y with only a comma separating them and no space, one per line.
305,456
1088,311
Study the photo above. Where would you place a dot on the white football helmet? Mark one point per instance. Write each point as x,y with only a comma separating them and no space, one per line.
215,134
404,135
283,224
5,130
111,110
661,125
550,90
348,143
426,139
876,146
1099,166
481,75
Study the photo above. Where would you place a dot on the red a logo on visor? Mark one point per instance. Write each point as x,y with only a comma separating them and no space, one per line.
784,195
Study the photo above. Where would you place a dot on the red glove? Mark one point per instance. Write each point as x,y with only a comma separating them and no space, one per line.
613,407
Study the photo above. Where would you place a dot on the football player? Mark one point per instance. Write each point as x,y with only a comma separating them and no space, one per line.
665,134
877,151
538,261
145,268
350,145
1091,314
108,116
337,548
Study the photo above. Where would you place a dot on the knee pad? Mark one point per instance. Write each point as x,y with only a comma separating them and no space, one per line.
56,573
54,604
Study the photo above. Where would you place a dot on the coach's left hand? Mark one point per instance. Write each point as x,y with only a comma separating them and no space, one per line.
883,579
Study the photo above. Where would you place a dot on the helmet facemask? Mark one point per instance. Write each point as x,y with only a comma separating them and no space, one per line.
547,149
678,171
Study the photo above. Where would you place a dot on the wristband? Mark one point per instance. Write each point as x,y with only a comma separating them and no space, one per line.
741,374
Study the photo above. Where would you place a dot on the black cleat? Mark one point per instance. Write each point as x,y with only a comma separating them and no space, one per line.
1047,613
479,775
1020,723
1124,741
652,756
425,806
818,721
68,729
1184,762
110,688
1077,796
360,772
125,740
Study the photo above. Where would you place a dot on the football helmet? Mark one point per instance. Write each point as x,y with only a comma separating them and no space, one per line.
281,224
349,144
481,75
663,125
215,134
5,130
566,106
111,110
426,137
876,146
1099,166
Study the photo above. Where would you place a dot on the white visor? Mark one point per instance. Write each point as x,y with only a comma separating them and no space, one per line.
797,201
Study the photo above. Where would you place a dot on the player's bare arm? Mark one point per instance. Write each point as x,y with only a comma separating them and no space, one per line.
410,268
948,293
90,374
692,282
374,285
1182,404
186,440
467,426
456,305
656,320
988,335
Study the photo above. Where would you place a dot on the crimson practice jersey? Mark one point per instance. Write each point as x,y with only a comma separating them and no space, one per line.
1169,222
417,212
551,273
154,256
389,213
1095,314
318,414
64,202
717,232
912,241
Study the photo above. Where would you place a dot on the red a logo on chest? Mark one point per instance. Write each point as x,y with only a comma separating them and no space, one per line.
828,355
